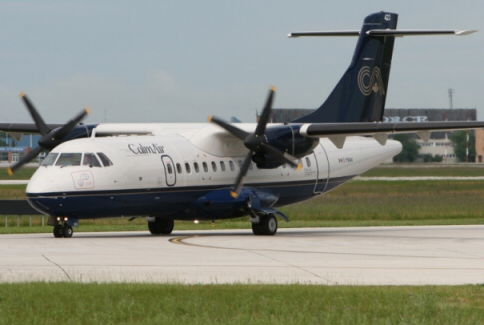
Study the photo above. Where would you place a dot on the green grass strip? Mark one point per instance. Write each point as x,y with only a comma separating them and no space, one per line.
125,303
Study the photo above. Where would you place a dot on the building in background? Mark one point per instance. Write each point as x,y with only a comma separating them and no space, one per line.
12,150
439,143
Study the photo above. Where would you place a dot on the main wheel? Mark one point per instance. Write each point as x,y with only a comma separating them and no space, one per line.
167,226
58,231
161,226
268,225
68,231
256,229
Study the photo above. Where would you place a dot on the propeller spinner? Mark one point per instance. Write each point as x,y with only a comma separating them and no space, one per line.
256,142
50,138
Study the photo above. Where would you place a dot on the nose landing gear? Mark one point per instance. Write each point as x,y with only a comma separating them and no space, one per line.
63,230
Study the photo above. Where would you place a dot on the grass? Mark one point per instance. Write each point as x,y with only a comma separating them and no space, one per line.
22,173
125,303
416,170
368,203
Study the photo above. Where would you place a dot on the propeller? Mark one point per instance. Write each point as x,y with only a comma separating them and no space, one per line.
50,138
255,142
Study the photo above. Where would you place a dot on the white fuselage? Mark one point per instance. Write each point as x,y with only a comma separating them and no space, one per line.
164,173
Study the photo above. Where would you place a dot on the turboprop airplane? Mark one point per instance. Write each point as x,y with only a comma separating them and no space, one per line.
170,172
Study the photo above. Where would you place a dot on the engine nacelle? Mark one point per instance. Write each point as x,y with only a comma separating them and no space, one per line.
285,138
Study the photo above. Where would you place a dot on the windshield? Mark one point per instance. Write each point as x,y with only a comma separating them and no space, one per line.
91,160
50,159
69,159
104,159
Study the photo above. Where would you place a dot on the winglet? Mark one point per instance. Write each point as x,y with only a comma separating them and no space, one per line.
10,171
234,194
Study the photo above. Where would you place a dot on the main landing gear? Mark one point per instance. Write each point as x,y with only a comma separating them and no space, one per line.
159,226
267,225
63,231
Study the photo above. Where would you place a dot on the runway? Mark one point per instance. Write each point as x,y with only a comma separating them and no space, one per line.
352,256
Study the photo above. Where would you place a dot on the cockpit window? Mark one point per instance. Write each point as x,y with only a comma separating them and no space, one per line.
104,159
90,160
50,159
69,159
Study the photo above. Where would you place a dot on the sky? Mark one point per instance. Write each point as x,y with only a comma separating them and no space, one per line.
182,61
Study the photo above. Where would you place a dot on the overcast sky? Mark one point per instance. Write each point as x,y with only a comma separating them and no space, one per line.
181,61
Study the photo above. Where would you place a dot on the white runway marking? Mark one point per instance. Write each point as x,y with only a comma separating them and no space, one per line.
421,178
14,182
356,256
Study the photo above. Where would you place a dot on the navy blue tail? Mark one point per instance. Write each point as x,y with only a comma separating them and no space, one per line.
361,93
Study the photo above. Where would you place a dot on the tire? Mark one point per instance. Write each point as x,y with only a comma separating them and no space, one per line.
269,225
167,226
154,228
58,231
161,226
68,231
256,229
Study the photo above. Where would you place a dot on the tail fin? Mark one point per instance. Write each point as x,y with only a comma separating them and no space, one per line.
361,93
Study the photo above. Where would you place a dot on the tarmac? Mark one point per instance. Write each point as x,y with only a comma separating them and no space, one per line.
426,255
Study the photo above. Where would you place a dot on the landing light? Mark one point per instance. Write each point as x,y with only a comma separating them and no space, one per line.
196,222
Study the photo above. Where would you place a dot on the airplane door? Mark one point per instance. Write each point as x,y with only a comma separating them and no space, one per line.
170,172
322,165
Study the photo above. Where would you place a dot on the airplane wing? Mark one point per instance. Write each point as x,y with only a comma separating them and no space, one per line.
24,127
337,132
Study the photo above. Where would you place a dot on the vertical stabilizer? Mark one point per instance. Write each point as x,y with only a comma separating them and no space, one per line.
361,93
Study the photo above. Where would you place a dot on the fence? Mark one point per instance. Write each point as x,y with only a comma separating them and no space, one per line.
18,208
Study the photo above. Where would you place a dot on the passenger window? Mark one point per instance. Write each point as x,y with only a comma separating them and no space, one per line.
231,164
187,168
214,166
222,166
178,168
308,162
195,165
169,168
205,167
90,160
50,160
104,159
69,159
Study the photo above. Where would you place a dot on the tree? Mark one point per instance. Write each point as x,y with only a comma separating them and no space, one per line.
460,140
410,148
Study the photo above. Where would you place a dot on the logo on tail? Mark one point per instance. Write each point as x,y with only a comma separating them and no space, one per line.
370,82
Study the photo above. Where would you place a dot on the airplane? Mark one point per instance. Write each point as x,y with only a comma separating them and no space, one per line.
219,170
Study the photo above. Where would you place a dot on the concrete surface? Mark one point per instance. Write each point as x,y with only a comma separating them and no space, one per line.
355,256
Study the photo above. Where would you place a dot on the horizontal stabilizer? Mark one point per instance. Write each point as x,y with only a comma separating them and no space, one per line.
387,32
417,32
328,33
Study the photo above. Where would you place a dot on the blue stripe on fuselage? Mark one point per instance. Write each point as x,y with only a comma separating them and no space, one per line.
168,202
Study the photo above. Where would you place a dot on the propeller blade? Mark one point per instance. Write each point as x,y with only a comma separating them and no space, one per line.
31,155
283,156
266,113
69,126
39,122
241,134
241,177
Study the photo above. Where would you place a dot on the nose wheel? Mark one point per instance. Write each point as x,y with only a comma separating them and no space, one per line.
63,231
